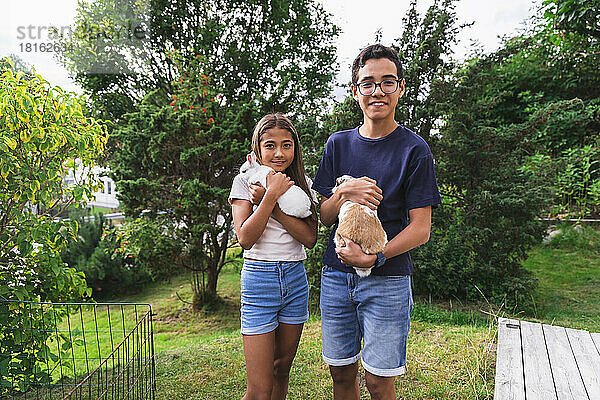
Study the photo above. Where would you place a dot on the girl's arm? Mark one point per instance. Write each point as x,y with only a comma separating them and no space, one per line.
303,230
249,225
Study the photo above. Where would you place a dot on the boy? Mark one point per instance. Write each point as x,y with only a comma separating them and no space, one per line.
401,186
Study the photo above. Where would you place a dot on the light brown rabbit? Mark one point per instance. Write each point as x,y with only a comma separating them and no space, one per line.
360,224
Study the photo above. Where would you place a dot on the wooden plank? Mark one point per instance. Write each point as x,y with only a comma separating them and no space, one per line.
596,339
539,384
587,359
567,380
509,383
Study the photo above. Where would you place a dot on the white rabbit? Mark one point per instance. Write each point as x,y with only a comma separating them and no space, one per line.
361,225
294,201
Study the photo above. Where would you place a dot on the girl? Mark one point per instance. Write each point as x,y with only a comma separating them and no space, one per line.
273,284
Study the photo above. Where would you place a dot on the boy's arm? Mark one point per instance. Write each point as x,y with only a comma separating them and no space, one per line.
415,234
362,191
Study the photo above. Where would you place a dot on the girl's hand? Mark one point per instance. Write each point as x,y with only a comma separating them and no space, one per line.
257,192
277,184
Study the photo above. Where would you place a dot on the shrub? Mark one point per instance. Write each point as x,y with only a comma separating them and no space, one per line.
578,181
108,271
89,234
43,134
152,245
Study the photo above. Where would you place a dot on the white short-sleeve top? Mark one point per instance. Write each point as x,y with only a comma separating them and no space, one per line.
275,243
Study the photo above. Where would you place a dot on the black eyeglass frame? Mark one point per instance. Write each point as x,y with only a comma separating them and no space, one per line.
358,86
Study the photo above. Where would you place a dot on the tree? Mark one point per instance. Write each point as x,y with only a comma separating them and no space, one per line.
44,133
488,220
279,53
581,16
425,47
177,162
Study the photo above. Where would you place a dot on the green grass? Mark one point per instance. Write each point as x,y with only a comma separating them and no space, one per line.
568,270
451,345
200,356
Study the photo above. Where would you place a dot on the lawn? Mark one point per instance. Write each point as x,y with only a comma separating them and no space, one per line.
568,270
451,346
200,356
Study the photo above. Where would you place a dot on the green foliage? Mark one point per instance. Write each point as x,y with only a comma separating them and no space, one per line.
313,265
520,129
279,51
176,159
151,245
90,227
580,16
567,124
108,271
43,132
25,337
487,224
425,48
578,182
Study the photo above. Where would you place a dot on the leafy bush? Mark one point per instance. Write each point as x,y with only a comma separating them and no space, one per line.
566,124
108,271
574,180
469,262
578,181
152,245
89,234
43,134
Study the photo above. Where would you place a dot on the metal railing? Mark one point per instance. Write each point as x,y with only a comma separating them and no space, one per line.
76,351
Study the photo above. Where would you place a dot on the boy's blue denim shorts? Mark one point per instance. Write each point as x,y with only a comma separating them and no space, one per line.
273,292
373,309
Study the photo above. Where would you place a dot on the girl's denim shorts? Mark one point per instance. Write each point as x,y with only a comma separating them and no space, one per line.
273,292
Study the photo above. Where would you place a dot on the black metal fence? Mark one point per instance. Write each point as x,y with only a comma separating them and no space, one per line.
76,351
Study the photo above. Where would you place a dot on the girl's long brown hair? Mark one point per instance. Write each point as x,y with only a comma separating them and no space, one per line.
296,169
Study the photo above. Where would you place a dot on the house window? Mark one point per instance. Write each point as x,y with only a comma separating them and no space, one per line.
109,189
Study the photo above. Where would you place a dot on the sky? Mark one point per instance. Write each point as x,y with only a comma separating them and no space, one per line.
359,20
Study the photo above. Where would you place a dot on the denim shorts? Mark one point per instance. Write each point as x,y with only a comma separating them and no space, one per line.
375,310
273,292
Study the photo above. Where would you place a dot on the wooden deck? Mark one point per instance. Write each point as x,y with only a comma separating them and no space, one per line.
545,362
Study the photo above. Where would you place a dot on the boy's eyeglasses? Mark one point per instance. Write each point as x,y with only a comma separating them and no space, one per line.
387,86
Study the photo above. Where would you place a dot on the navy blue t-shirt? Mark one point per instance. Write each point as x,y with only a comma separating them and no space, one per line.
402,165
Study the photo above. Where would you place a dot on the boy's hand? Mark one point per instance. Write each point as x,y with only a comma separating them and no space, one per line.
351,254
362,191
277,184
257,192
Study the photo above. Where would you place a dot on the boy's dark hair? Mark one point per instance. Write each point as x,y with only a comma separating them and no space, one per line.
376,51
